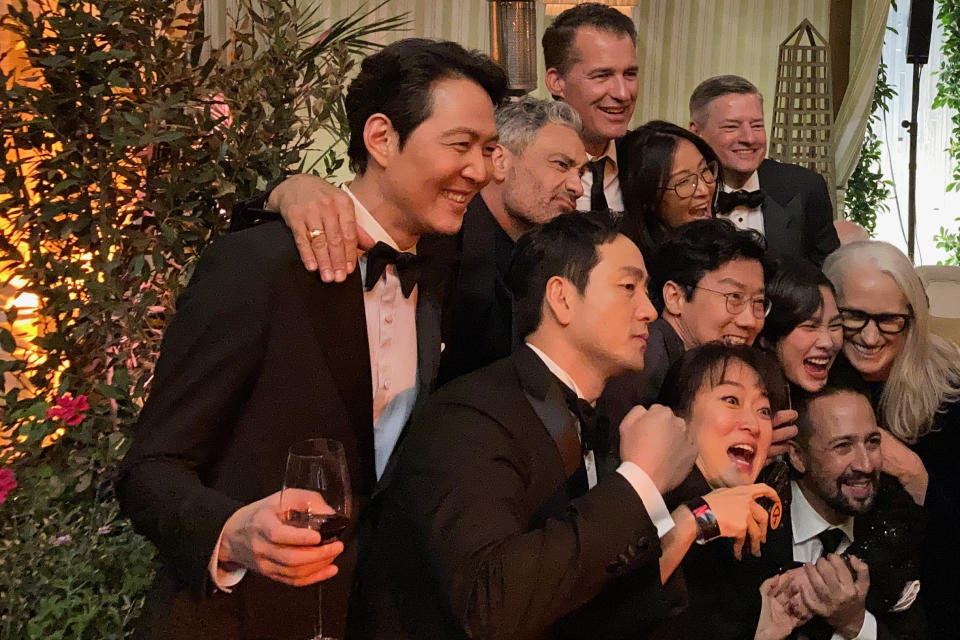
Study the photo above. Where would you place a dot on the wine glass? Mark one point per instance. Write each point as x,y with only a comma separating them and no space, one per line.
316,495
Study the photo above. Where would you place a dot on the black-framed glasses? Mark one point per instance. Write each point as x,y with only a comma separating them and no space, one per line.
737,302
687,186
856,320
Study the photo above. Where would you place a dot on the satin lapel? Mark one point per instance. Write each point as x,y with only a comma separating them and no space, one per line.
339,322
429,297
783,225
546,400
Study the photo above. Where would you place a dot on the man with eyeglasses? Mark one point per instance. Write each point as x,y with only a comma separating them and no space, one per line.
707,280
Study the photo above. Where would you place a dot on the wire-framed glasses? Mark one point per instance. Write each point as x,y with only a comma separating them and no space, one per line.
737,302
687,185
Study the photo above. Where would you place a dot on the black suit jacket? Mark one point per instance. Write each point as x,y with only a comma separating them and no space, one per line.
797,213
478,325
260,354
481,534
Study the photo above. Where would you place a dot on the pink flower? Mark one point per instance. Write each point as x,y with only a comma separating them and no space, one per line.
8,482
69,409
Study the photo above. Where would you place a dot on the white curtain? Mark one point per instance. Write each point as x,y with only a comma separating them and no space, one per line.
851,122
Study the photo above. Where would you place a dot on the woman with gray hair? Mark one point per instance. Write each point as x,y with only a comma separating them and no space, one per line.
915,382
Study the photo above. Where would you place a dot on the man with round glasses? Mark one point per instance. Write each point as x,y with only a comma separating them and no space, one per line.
707,280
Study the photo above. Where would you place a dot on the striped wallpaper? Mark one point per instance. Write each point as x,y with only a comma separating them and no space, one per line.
679,43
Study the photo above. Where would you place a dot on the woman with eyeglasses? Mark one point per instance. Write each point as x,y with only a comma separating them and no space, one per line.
915,379
668,177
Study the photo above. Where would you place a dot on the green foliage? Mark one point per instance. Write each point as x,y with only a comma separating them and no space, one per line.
867,189
121,163
950,242
948,95
948,78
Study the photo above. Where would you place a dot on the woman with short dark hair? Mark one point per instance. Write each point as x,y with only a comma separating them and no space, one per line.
668,176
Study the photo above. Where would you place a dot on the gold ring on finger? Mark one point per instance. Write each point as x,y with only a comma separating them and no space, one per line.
315,233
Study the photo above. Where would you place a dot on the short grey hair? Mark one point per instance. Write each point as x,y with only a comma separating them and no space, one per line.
715,87
519,122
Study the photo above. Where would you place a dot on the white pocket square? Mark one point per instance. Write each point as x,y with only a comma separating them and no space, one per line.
907,596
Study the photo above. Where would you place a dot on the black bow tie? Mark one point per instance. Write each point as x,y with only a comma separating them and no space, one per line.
590,423
727,202
409,267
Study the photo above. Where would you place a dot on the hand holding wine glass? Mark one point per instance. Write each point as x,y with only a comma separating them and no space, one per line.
255,538
316,494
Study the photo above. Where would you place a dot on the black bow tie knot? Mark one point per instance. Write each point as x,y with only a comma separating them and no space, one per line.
591,423
409,267
727,202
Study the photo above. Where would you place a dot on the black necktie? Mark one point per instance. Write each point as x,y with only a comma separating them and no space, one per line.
727,202
831,539
598,200
408,267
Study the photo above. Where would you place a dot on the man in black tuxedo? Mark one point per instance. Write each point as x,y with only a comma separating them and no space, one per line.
590,57
262,354
787,203
840,503
537,165
497,525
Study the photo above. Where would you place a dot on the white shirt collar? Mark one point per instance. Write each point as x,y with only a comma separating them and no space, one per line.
610,153
805,520
556,370
752,184
368,223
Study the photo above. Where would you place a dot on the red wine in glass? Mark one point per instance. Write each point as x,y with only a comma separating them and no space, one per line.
329,526
316,495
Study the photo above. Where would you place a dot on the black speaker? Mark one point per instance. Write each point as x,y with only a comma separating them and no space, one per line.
919,25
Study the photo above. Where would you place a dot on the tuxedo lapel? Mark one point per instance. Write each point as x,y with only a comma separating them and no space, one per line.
783,225
339,322
542,391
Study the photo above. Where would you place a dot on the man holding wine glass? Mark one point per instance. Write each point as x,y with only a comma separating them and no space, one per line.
262,355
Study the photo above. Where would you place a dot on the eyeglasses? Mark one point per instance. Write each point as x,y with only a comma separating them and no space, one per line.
855,320
737,302
687,186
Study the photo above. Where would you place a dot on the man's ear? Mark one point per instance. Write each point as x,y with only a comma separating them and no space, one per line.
555,82
798,459
502,159
693,127
380,138
557,299
673,297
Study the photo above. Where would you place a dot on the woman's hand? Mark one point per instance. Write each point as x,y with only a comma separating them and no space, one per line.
740,516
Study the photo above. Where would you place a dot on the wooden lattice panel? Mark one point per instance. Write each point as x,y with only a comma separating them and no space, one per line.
803,107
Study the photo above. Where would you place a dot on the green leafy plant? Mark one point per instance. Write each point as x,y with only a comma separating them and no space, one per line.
948,95
867,190
124,147
950,242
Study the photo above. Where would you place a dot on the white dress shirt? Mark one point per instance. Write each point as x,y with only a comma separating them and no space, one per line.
611,181
637,477
807,525
745,217
392,341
